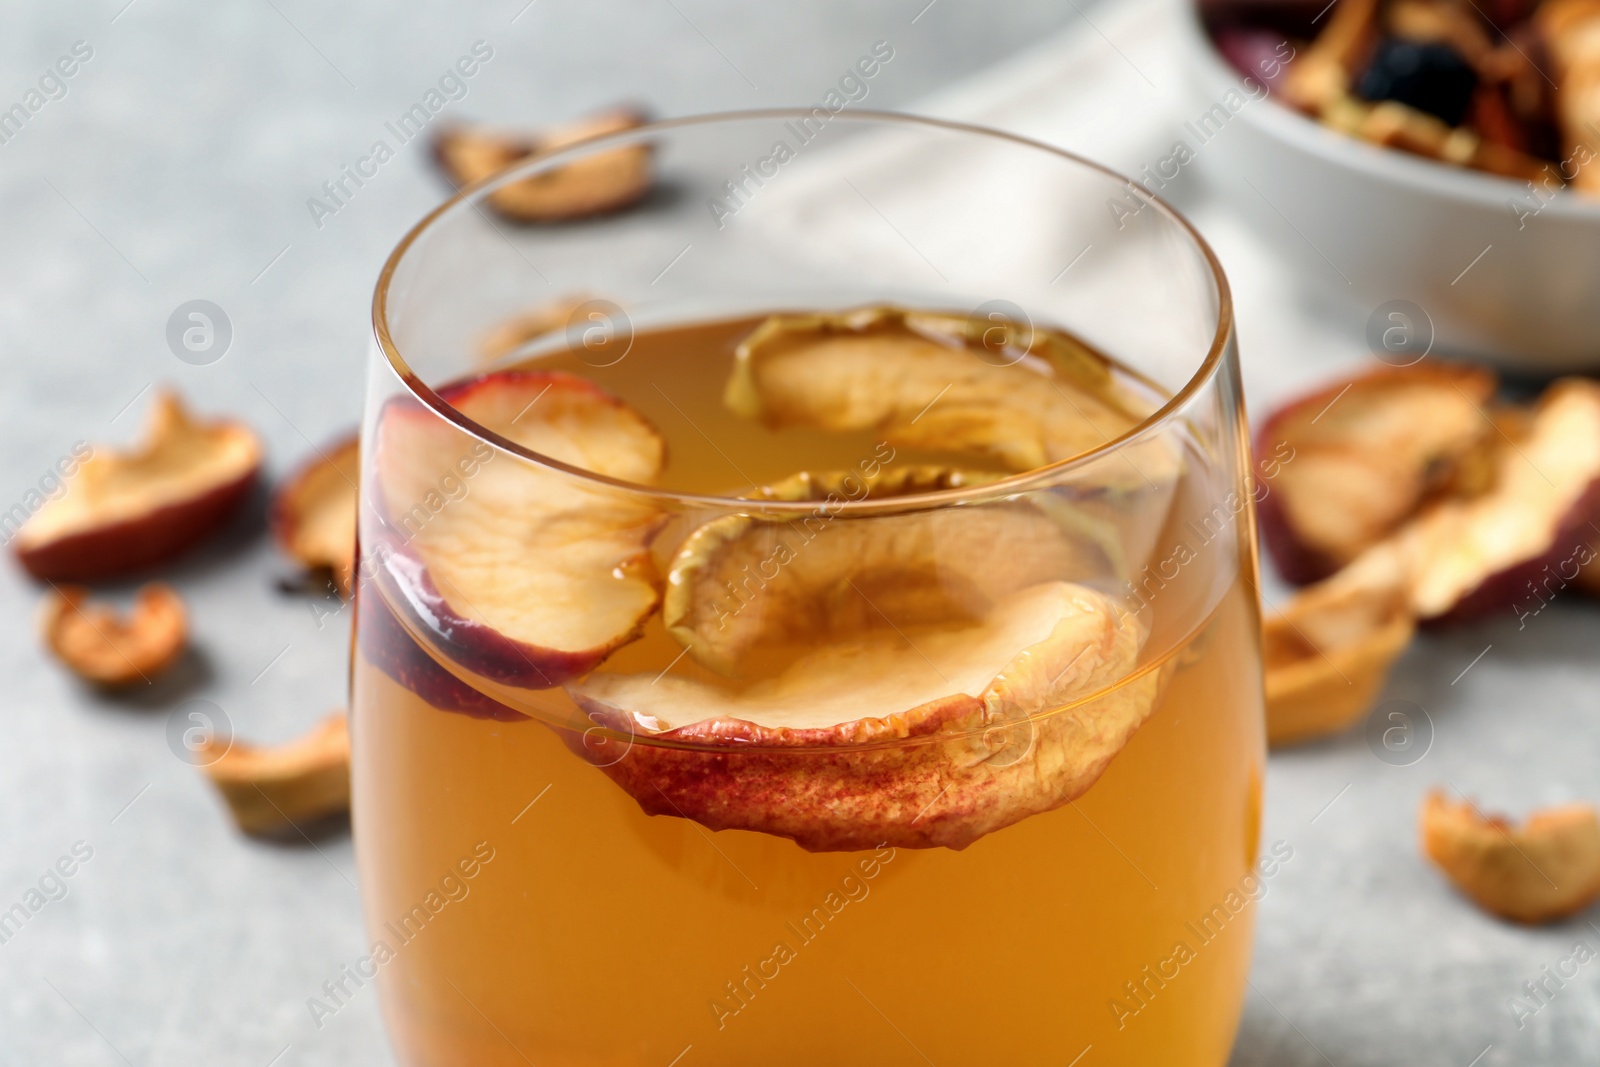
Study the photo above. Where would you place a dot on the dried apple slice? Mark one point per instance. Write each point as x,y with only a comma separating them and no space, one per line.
387,646
103,647
745,581
125,511
934,381
276,790
1327,654
1543,870
314,512
524,574
1357,458
594,184
1464,558
927,738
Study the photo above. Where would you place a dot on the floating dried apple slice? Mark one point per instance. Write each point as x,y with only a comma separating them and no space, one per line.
275,790
1358,457
1466,557
524,574
124,511
1327,654
314,512
744,581
387,646
1545,869
591,185
930,738
104,647
935,381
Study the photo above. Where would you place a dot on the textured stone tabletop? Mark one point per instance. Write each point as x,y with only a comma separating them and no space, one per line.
176,163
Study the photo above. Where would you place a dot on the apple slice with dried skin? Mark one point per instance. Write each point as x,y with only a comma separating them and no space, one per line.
1357,458
522,573
314,512
124,511
591,185
274,790
745,581
1327,654
935,381
928,738
1464,558
388,646
109,649
1545,869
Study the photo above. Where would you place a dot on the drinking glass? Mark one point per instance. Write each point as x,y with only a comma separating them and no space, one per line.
706,719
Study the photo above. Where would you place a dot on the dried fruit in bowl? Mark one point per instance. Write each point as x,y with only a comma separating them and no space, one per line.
1542,870
314,511
592,184
518,571
1449,80
126,511
1365,453
931,737
1570,30
104,647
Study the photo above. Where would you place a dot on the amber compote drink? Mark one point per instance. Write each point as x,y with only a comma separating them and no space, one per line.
821,627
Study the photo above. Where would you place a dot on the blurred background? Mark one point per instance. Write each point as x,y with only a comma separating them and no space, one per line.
183,160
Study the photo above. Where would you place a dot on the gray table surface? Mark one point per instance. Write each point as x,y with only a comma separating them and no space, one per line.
177,166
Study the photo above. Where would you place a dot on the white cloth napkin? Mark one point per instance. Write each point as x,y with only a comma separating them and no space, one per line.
1114,88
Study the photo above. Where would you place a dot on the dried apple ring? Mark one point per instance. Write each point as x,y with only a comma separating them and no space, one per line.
926,738
1545,869
314,511
923,381
1464,558
743,581
523,574
1328,653
590,185
1358,457
104,647
277,789
125,511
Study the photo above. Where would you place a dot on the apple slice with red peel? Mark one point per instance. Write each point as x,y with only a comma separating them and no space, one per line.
928,738
742,582
314,511
126,511
934,381
1356,459
387,646
591,185
524,574
1464,558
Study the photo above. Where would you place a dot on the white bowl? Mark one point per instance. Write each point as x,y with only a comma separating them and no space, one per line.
1501,276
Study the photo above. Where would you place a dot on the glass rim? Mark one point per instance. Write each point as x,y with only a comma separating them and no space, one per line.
1020,481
